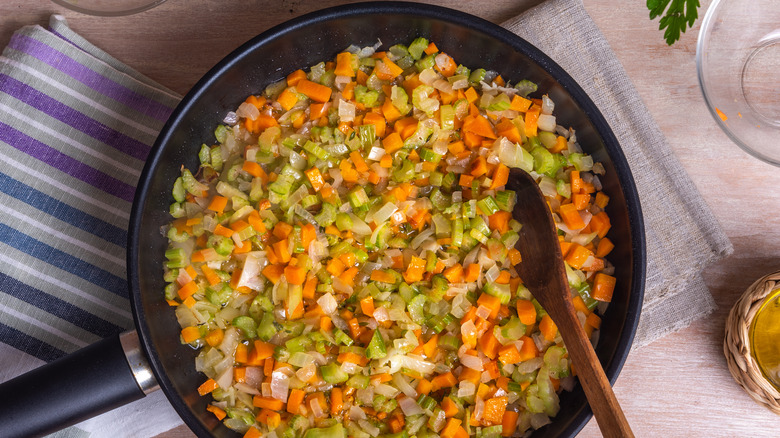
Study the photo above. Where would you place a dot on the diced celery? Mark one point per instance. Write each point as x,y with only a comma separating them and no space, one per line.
376,348
333,374
247,325
417,47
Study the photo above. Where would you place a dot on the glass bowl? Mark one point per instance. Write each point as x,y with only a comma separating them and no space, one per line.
738,64
109,8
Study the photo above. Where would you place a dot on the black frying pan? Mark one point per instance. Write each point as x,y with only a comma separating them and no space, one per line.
99,377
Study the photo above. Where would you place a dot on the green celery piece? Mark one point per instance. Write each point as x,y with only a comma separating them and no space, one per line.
376,348
335,431
247,325
417,47
266,329
333,374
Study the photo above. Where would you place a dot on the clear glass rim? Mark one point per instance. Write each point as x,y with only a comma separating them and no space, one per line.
706,26
100,13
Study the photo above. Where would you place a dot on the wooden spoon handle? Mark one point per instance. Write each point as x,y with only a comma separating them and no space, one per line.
601,398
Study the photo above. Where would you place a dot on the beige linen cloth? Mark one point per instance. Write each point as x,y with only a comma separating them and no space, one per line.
682,235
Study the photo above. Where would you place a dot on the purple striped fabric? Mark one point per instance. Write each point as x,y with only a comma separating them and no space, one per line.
88,77
66,164
71,117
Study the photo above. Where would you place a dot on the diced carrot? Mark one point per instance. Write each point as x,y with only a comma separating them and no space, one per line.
415,269
579,305
295,274
500,221
287,99
218,412
603,287
500,176
450,428
382,276
577,255
528,350
282,251
273,273
580,200
252,432
315,178
335,267
242,353
494,410
357,160
548,328
472,273
380,125
478,167
470,375
561,144
270,418
282,230
514,256
424,386
478,125
520,104
575,181
344,65
571,216
532,120
190,334
390,112
454,274
600,224
471,95
449,407
503,277
218,204
336,401
509,423
593,320
509,354
267,403
295,77
601,200
313,90
489,344
207,386
604,247
491,302
187,290
446,380
367,306
387,70
214,337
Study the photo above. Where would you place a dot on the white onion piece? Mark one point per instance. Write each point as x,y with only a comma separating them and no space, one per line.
409,406
405,387
547,105
253,376
483,312
368,427
473,362
376,153
231,118
355,413
466,389
386,390
225,379
327,303
359,227
280,384
247,110
243,387
492,274
420,238
346,111
305,374
316,409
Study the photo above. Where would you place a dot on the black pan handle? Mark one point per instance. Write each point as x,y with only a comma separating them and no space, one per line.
96,379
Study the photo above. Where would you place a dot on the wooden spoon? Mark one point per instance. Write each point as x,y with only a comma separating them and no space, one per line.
543,272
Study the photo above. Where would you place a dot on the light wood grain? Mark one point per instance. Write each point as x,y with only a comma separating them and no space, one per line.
676,386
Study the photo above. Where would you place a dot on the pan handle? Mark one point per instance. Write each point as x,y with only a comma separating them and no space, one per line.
98,378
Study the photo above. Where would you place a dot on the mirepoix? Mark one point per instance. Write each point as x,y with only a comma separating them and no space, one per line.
343,258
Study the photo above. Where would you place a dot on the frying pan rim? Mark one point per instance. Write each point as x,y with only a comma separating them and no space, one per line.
425,11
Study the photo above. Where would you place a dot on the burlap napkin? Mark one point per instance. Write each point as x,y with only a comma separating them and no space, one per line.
75,128
682,235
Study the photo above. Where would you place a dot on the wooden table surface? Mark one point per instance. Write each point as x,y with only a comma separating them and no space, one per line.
677,386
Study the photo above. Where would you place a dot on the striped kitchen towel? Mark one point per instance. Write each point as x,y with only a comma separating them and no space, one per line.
75,128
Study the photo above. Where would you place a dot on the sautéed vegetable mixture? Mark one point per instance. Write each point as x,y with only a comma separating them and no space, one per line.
343,259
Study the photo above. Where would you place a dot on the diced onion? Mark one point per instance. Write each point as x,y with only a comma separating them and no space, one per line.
409,406
466,388
328,303
473,362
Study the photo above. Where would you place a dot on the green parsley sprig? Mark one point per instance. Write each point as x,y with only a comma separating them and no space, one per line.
675,15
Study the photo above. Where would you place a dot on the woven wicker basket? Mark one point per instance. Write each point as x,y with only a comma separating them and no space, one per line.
736,346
